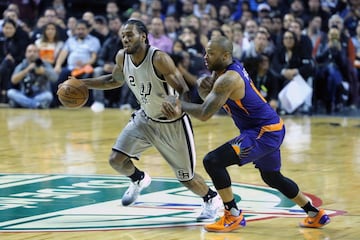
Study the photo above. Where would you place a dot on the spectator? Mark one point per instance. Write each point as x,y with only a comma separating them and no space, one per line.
49,44
71,26
204,7
314,10
263,10
157,36
228,30
112,10
191,41
289,61
101,28
250,30
50,17
356,41
27,10
114,25
190,66
256,49
305,49
314,32
352,78
224,14
266,81
297,9
12,50
155,9
60,9
332,72
34,77
172,25
14,15
80,52
187,8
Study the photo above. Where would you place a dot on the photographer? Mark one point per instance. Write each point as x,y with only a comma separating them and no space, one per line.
33,78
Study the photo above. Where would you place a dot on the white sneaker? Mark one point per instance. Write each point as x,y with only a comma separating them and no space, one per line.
134,190
210,209
97,107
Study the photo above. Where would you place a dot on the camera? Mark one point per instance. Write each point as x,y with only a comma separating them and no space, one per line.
38,62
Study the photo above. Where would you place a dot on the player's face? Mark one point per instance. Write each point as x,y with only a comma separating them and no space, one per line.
213,58
131,39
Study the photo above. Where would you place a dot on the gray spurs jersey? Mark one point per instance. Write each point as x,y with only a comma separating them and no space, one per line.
147,87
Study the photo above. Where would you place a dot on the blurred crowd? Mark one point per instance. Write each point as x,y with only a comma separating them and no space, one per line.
278,41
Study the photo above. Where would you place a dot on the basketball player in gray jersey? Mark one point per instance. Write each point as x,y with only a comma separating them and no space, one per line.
151,75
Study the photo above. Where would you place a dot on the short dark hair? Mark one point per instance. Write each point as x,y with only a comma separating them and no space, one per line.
9,20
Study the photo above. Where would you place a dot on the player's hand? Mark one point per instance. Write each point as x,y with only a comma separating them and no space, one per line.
171,107
205,85
70,77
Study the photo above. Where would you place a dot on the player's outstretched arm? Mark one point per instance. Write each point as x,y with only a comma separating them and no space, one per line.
102,82
109,81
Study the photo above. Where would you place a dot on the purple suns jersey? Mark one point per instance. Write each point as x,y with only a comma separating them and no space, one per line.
252,111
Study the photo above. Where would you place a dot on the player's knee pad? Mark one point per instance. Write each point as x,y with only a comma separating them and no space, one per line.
285,185
221,157
210,161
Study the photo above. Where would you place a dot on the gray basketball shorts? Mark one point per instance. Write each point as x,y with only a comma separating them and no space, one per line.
173,139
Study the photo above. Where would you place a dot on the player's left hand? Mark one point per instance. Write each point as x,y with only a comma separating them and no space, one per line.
171,107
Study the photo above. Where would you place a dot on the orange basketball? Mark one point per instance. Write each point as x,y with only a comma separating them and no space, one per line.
73,93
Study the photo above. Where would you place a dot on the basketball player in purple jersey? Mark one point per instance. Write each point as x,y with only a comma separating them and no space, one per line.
261,134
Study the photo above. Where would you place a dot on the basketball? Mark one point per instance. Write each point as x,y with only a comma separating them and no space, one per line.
73,93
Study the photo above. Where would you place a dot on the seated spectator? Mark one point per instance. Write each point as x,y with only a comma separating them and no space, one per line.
251,27
112,10
356,41
346,42
12,51
256,48
305,50
157,36
288,61
332,71
33,76
229,32
202,7
190,66
80,53
171,24
49,44
101,29
191,40
50,17
265,80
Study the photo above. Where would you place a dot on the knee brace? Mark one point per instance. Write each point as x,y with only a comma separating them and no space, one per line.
215,164
285,185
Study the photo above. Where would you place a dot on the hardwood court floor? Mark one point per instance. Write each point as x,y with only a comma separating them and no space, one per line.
322,154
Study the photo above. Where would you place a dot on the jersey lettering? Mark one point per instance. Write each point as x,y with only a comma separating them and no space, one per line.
145,91
132,81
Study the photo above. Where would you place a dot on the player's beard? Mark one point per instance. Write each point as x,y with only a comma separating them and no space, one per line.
217,66
133,48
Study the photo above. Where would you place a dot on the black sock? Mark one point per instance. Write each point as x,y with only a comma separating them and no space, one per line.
310,209
210,194
230,205
137,175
